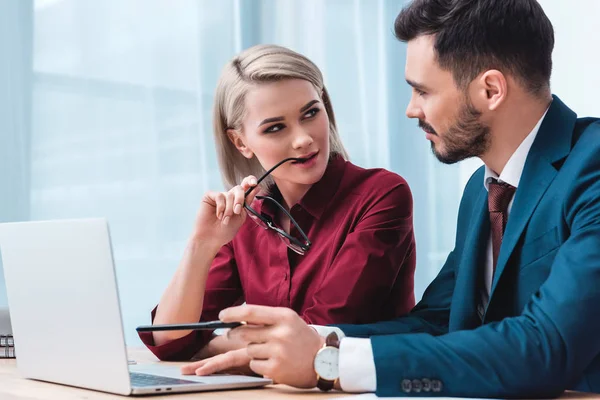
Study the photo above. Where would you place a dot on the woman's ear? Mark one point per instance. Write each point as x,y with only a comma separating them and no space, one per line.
236,138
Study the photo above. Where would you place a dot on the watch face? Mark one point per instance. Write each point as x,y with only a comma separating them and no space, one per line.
326,363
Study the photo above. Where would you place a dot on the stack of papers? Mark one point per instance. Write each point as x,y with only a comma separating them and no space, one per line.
7,344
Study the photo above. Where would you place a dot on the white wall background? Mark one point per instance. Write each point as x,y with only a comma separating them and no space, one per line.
576,74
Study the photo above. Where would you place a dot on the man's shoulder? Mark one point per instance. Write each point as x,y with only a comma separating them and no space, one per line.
586,134
580,170
585,148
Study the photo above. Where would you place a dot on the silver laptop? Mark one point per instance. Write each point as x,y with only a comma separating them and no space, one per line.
65,314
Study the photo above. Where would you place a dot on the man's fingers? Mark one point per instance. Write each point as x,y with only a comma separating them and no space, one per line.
256,315
261,367
250,334
259,351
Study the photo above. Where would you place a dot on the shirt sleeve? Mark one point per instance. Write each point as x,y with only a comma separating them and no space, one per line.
357,366
376,258
323,331
223,289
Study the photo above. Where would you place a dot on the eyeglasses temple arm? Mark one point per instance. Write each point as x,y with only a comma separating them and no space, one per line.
267,174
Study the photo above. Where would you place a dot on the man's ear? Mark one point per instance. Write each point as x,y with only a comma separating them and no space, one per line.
492,89
236,138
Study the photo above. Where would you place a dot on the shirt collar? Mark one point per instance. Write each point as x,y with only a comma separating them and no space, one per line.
513,169
316,200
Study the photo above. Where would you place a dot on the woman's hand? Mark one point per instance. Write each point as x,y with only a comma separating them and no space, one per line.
221,214
233,362
221,354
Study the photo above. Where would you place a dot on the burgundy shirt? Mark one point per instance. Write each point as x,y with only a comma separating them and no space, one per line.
359,269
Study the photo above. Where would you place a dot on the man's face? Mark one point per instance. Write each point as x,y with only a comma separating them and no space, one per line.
451,123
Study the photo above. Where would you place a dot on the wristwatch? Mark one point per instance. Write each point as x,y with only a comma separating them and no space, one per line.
326,363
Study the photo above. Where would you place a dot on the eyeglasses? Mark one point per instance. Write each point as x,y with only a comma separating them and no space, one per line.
265,222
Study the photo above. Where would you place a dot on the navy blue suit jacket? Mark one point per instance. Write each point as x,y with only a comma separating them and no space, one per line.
540,333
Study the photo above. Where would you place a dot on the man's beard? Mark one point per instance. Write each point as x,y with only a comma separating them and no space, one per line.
467,137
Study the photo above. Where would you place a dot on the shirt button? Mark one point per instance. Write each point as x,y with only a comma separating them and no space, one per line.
436,385
406,385
416,386
426,384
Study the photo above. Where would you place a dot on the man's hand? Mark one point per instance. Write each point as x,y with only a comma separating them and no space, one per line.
281,345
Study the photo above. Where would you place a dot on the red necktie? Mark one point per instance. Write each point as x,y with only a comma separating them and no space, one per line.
499,197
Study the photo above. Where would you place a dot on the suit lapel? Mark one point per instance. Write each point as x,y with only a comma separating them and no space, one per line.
469,281
552,144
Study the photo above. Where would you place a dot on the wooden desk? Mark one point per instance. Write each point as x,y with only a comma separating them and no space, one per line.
14,387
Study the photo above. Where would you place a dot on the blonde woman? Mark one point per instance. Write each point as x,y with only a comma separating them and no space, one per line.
328,239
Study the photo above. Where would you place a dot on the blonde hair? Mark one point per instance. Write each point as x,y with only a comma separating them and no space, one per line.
259,64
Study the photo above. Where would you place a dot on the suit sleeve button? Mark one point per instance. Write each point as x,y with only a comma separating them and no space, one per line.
426,387
417,385
406,386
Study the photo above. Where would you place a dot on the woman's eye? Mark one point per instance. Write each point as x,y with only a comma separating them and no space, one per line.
274,128
312,112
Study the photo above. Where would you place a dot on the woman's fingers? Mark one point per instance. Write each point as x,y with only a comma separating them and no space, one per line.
190,369
238,199
228,213
247,183
219,200
223,362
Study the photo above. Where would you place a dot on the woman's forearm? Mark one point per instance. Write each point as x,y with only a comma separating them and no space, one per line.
182,300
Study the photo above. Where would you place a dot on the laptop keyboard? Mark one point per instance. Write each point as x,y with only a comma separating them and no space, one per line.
145,380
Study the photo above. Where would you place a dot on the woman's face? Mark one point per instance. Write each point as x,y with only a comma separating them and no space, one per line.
287,119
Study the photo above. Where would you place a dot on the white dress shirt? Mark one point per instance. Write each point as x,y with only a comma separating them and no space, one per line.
511,174
356,363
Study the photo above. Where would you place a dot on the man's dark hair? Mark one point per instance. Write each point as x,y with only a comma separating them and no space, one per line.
472,36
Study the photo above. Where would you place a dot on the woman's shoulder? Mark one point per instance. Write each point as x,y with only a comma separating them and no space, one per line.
374,188
373,179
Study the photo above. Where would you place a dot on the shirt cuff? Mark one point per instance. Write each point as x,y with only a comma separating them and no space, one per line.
326,330
357,366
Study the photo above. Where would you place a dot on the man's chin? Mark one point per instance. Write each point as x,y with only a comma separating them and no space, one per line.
444,157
